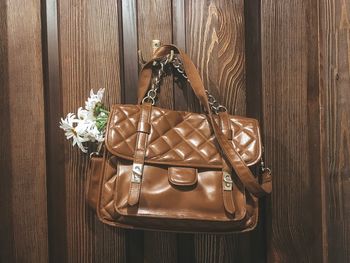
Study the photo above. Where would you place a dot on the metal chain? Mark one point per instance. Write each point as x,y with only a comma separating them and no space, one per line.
262,167
214,104
152,92
151,96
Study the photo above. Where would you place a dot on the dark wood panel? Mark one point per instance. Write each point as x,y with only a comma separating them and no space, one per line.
23,230
89,58
55,142
6,225
335,66
130,59
252,19
290,103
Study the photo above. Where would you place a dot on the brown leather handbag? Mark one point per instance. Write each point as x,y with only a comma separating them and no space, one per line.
176,170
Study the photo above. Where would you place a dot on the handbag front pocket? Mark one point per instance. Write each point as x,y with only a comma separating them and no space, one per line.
159,197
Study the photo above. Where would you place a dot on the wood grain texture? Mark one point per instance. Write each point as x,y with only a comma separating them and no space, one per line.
231,55
179,23
335,65
201,45
290,87
215,40
23,231
89,58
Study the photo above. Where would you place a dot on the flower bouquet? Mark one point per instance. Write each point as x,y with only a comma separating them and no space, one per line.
89,124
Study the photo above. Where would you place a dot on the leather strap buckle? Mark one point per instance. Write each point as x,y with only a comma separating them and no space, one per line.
137,170
227,182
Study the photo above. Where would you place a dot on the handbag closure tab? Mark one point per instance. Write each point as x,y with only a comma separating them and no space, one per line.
182,176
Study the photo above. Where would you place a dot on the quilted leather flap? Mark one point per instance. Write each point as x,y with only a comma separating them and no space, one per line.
180,138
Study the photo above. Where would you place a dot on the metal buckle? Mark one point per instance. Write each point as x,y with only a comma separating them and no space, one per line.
227,182
149,100
136,173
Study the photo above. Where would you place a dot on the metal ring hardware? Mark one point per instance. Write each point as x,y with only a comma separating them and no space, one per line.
263,168
94,154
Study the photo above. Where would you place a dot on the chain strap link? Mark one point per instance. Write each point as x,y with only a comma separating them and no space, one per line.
151,96
153,91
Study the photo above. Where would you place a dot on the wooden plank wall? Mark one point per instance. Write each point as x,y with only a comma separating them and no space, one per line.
23,216
335,96
291,116
283,62
85,56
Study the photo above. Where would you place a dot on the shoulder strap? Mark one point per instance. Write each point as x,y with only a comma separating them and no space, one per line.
241,169
238,165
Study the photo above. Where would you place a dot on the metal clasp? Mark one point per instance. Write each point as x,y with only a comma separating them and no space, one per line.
136,173
227,182
263,168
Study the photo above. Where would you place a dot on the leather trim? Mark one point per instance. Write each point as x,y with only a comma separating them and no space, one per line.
93,179
141,146
225,125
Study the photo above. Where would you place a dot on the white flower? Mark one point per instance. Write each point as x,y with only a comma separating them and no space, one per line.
67,124
95,134
86,127
84,114
74,129
94,99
